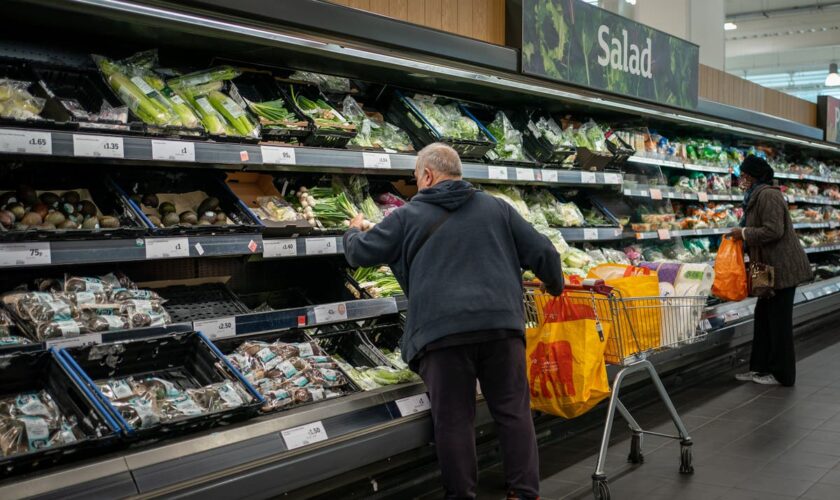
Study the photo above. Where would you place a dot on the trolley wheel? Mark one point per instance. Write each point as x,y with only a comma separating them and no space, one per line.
636,456
600,489
686,466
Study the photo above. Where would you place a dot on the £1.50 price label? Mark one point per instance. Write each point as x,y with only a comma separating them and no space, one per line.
23,141
280,248
330,313
173,150
167,248
304,435
25,254
414,404
98,146
216,328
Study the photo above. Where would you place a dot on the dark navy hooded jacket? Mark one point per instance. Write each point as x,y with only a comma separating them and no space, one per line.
467,277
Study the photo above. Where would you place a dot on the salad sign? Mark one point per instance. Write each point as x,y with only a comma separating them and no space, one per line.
574,42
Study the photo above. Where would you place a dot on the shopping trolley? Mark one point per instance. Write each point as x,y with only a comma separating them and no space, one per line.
639,326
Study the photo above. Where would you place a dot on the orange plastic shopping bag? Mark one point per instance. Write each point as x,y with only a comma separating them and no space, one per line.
565,355
730,273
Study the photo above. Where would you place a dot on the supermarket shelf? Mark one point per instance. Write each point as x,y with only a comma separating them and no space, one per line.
816,225
813,200
807,177
668,234
664,193
302,247
662,162
177,152
576,234
823,248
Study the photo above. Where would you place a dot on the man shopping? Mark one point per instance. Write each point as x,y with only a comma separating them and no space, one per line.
458,254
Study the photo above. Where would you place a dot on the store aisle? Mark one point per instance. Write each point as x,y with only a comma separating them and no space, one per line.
751,442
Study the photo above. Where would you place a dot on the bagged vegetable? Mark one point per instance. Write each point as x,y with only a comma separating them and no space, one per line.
17,103
446,119
508,140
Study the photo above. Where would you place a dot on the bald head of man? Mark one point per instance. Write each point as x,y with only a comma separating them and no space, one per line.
436,162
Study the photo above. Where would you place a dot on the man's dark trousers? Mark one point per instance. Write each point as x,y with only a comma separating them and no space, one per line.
450,374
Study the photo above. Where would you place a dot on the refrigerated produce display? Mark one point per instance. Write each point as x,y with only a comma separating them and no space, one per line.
176,307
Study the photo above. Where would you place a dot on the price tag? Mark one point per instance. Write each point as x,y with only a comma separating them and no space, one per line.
810,295
173,150
376,160
414,404
655,194
304,435
22,141
216,328
98,146
643,192
280,248
730,316
590,234
77,341
321,246
703,197
330,313
612,178
588,178
166,248
524,174
549,175
25,254
497,173
278,156
664,234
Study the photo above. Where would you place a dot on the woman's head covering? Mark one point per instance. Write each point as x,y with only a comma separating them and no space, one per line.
758,168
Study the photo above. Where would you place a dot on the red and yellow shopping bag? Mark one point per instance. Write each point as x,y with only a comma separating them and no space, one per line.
565,357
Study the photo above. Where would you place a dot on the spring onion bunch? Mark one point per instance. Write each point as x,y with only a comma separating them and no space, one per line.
377,281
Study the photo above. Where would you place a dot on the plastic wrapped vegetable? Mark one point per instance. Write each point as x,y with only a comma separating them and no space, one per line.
512,196
372,129
276,114
220,114
554,133
320,112
446,119
134,92
16,102
327,83
508,140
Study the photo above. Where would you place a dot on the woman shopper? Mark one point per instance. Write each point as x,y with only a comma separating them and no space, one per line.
769,238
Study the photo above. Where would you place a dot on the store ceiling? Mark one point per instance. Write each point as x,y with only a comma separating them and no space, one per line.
784,44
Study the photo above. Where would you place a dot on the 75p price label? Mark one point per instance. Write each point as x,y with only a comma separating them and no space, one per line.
304,435
25,254
98,146
22,141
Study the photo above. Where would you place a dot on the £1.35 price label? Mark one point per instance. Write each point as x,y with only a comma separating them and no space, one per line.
304,435
216,328
274,155
280,248
167,248
173,150
25,254
24,141
414,404
330,313
98,146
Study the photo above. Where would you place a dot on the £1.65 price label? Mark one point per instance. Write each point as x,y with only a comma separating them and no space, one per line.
304,435
376,160
216,328
321,246
98,146
173,150
25,254
23,141
280,248
330,313
167,248
274,155
414,404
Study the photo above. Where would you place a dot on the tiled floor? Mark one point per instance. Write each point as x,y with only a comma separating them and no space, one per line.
751,442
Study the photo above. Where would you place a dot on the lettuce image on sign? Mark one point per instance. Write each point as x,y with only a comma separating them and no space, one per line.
577,43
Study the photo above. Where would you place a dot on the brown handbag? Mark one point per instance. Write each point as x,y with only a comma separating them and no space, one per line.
761,278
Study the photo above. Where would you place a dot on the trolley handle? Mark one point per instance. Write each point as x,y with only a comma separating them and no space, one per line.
587,285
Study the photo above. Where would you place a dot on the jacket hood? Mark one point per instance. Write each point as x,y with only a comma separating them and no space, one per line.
447,194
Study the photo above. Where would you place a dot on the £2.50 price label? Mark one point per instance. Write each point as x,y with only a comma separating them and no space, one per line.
25,254
304,435
414,404
330,313
280,248
173,150
23,141
216,328
98,146
167,248
278,156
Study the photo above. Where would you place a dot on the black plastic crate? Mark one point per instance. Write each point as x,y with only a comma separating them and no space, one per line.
49,179
484,115
405,115
131,184
347,340
189,358
261,87
274,300
20,70
46,370
198,302
540,148
319,136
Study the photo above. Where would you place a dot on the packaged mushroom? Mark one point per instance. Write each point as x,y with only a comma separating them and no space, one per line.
26,208
32,421
186,209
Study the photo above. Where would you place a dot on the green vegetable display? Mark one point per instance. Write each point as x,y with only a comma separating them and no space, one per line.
373,131
446,119
275,114
320,112
377,281
16,102
135,93
508,140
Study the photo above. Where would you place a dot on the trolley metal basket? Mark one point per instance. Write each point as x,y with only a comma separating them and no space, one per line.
639,326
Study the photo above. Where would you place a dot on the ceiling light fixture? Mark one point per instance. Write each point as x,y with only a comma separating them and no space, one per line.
730,26
833,79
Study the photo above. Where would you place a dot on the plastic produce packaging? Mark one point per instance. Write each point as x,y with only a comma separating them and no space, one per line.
32,421
17,103
508,140
373,131
446,119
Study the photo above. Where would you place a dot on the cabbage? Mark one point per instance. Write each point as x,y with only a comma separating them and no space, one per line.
576,258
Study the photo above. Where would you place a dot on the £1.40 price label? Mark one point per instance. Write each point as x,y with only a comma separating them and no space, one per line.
173,150
167,248
280,248
304,435
275,155
217,328
23,141
414,404
330,313
25,254
98,146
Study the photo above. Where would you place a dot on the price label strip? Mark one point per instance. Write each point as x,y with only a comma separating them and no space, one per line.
173,150
25,254
590,234
550,175
217,328
525,174
588,178
22,141
497,173
612,178
330,313
167,248
376,160
321,246
77,341
98,146
278,156
304,435
280,248
414,404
